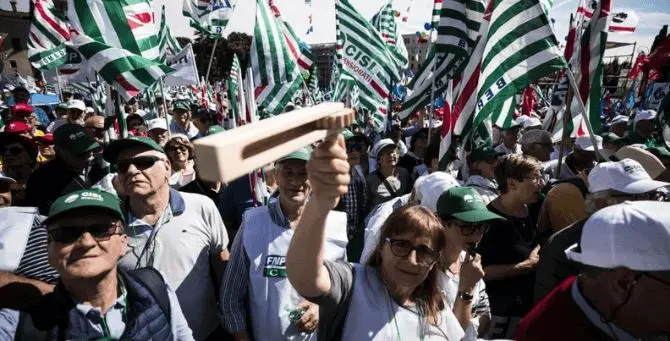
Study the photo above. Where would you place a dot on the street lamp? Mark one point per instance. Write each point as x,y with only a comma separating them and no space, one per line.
13,4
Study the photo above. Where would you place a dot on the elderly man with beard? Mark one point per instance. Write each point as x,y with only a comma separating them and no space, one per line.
255,284
179,234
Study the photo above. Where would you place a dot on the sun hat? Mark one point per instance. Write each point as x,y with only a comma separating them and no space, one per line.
73,138
634,235
464,203
584,143
432,186
383,143
112,151
76,104
645,115
626,176
87,198
649,161
303,154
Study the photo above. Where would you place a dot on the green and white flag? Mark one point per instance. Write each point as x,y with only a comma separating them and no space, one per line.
276,73
366,58
47,36
458,33
209,17
313,84
119,39
98,95
384,22
520,48
235,92
167,44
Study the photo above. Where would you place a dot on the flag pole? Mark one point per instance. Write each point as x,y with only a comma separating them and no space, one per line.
60,87
582,108
165,107
432,103
211,58
567,114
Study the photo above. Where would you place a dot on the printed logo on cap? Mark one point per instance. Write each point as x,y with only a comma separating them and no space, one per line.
75,136
71,199
630,169
92,196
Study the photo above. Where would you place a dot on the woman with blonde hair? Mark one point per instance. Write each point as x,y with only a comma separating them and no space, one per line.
396,295
180,152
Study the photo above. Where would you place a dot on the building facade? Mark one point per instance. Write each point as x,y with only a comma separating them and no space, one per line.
324,54
417,51
14,28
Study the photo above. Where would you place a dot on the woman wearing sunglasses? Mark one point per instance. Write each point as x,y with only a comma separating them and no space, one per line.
396,295
93,299
181,153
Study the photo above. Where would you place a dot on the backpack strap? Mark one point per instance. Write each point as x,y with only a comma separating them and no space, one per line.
386,184
155,283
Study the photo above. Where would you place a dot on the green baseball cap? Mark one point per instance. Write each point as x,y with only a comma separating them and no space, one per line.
181,105
215,130
347,134
464,203
73,138
484,153
88,198
304,154
115,148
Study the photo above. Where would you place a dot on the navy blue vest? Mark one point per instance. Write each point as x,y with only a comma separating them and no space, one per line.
145,319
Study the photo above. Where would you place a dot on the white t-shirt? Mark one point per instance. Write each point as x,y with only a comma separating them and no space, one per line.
188,233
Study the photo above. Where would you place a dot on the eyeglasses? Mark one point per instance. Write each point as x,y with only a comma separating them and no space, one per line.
536,179
290,173
140,162
15,150
468,229
99,232
95,131
402,248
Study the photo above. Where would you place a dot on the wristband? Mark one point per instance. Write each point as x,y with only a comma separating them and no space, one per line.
465,296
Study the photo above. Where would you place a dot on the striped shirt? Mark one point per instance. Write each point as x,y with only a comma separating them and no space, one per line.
35,261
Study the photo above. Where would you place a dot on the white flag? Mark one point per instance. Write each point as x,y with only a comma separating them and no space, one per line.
185,71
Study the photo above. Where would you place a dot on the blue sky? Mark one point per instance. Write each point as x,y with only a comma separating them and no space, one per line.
653,14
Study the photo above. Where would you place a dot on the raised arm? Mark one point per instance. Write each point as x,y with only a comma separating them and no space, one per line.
329,178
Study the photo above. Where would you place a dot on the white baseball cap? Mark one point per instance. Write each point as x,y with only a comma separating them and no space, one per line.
432,186
644,115
157,123
619,119
584,143
633,234
383,143
89,110
76,104
626,176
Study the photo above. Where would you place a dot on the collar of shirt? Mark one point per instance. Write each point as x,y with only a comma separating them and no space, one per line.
113,319
608,328
480,181
176,206
276,214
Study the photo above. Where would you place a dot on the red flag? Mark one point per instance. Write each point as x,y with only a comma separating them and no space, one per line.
641,60
528,100
660,57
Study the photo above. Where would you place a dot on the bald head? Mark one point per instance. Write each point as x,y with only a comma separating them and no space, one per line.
95,121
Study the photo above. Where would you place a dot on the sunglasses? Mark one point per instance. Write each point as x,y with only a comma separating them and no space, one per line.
470,229
99,232
140,162
14,150
96,131
402,248
179,148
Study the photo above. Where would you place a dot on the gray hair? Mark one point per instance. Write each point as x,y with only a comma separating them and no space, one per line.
592,200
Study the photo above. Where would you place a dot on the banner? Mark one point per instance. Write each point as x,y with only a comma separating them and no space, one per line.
185,71
658,91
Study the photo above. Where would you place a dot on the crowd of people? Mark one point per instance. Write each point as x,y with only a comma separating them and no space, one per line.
361,236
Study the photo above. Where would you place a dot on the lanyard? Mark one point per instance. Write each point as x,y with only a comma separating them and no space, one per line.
149,248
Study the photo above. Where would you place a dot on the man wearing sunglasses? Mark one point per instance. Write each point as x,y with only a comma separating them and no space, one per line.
93,299
179,234
19,157
75,167
623,289
465,218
